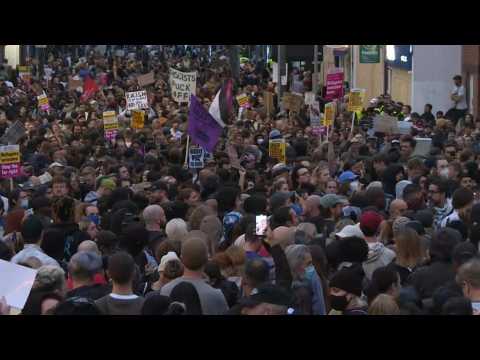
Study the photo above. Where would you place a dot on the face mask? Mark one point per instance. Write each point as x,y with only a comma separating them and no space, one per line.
259,141
354,186
444,173
338,303
309,272
24,204
95,219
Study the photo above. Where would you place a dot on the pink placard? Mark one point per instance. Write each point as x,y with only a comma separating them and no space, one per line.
334,85
10,170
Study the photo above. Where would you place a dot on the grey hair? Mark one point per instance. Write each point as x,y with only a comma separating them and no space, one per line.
50,277
84,265
309,229
295,256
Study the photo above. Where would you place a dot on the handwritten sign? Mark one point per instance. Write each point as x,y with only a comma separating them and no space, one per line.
277,149
196,157
292,102
183,85
309,98
74,84
110,124
138,119
355,100
10,161
136,100
147,79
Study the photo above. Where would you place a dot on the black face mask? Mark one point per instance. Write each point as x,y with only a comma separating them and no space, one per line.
338,303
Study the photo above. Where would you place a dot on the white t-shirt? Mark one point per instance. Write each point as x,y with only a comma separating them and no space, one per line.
462,103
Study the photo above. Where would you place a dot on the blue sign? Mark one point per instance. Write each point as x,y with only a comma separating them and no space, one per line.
400,56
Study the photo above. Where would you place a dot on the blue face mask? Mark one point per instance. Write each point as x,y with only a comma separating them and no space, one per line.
95,219
24,204
309,273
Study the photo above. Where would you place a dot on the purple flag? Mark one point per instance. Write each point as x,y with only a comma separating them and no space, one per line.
202,127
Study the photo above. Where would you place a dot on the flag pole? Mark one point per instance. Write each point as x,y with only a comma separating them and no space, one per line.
186,151
353,122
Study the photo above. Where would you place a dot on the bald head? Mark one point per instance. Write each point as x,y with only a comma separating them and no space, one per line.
89,246
154,217
397,208
283,236
312,207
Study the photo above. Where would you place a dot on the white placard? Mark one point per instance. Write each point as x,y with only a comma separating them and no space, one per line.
137,100
309,98
16,283
183,84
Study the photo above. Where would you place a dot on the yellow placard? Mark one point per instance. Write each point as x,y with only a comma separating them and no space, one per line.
242,100
138,119
9,154
329,114
42,100
110,121
277,150
355,100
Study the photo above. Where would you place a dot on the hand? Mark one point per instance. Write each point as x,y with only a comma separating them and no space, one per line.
4,307
150,269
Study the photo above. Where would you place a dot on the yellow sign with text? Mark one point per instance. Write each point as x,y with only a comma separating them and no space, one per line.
138,119
355,100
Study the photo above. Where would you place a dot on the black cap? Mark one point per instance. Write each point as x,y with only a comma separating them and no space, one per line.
270,294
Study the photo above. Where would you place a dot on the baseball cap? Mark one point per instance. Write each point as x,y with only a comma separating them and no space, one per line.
370,220
270,294
351,230
275,134
165,259
279,169
347,176
330,200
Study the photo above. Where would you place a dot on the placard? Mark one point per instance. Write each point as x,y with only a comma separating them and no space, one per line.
274,72
74,84
110,124
355,100
147,79
43,102
335,85
16,284
10,161
292,102
404,127
136,100
196,157
423,147
315,114
242,100
277,150
24,73
385,124
183,84
309,98
268,100
329,114
138,119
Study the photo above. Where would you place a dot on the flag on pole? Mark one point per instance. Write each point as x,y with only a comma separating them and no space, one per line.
221,106
202,127
90,87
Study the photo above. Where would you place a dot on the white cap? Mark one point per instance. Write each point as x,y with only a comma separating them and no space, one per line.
351,230
166,258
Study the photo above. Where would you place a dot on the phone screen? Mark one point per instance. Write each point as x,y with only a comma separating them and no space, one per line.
261,225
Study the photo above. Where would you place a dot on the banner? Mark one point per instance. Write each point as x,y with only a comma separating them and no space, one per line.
309,98
277,150
110,125
147,79
355,100
43,102
138,119
183,85
202,127
292,102
329,114
242,100
136,100
334,85
196,157
369,54
10,161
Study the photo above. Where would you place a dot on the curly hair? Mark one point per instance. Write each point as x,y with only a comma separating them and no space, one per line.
63,210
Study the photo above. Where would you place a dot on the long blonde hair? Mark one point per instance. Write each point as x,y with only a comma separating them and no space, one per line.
409,248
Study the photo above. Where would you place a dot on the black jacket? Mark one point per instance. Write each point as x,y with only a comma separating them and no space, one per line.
429,278
93,292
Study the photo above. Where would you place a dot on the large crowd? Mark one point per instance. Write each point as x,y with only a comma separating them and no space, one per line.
359,223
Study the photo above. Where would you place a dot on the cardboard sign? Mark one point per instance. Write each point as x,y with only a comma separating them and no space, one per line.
10,161
147,79
329,114
110,124
183,85
292,102
138,119
268,100
335,85
242,100
355,100
277,150
136,100
16,284
74,84
43,102
196,158
385,124
315,114
309,98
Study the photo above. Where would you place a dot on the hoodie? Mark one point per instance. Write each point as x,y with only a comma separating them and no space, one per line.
378,256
